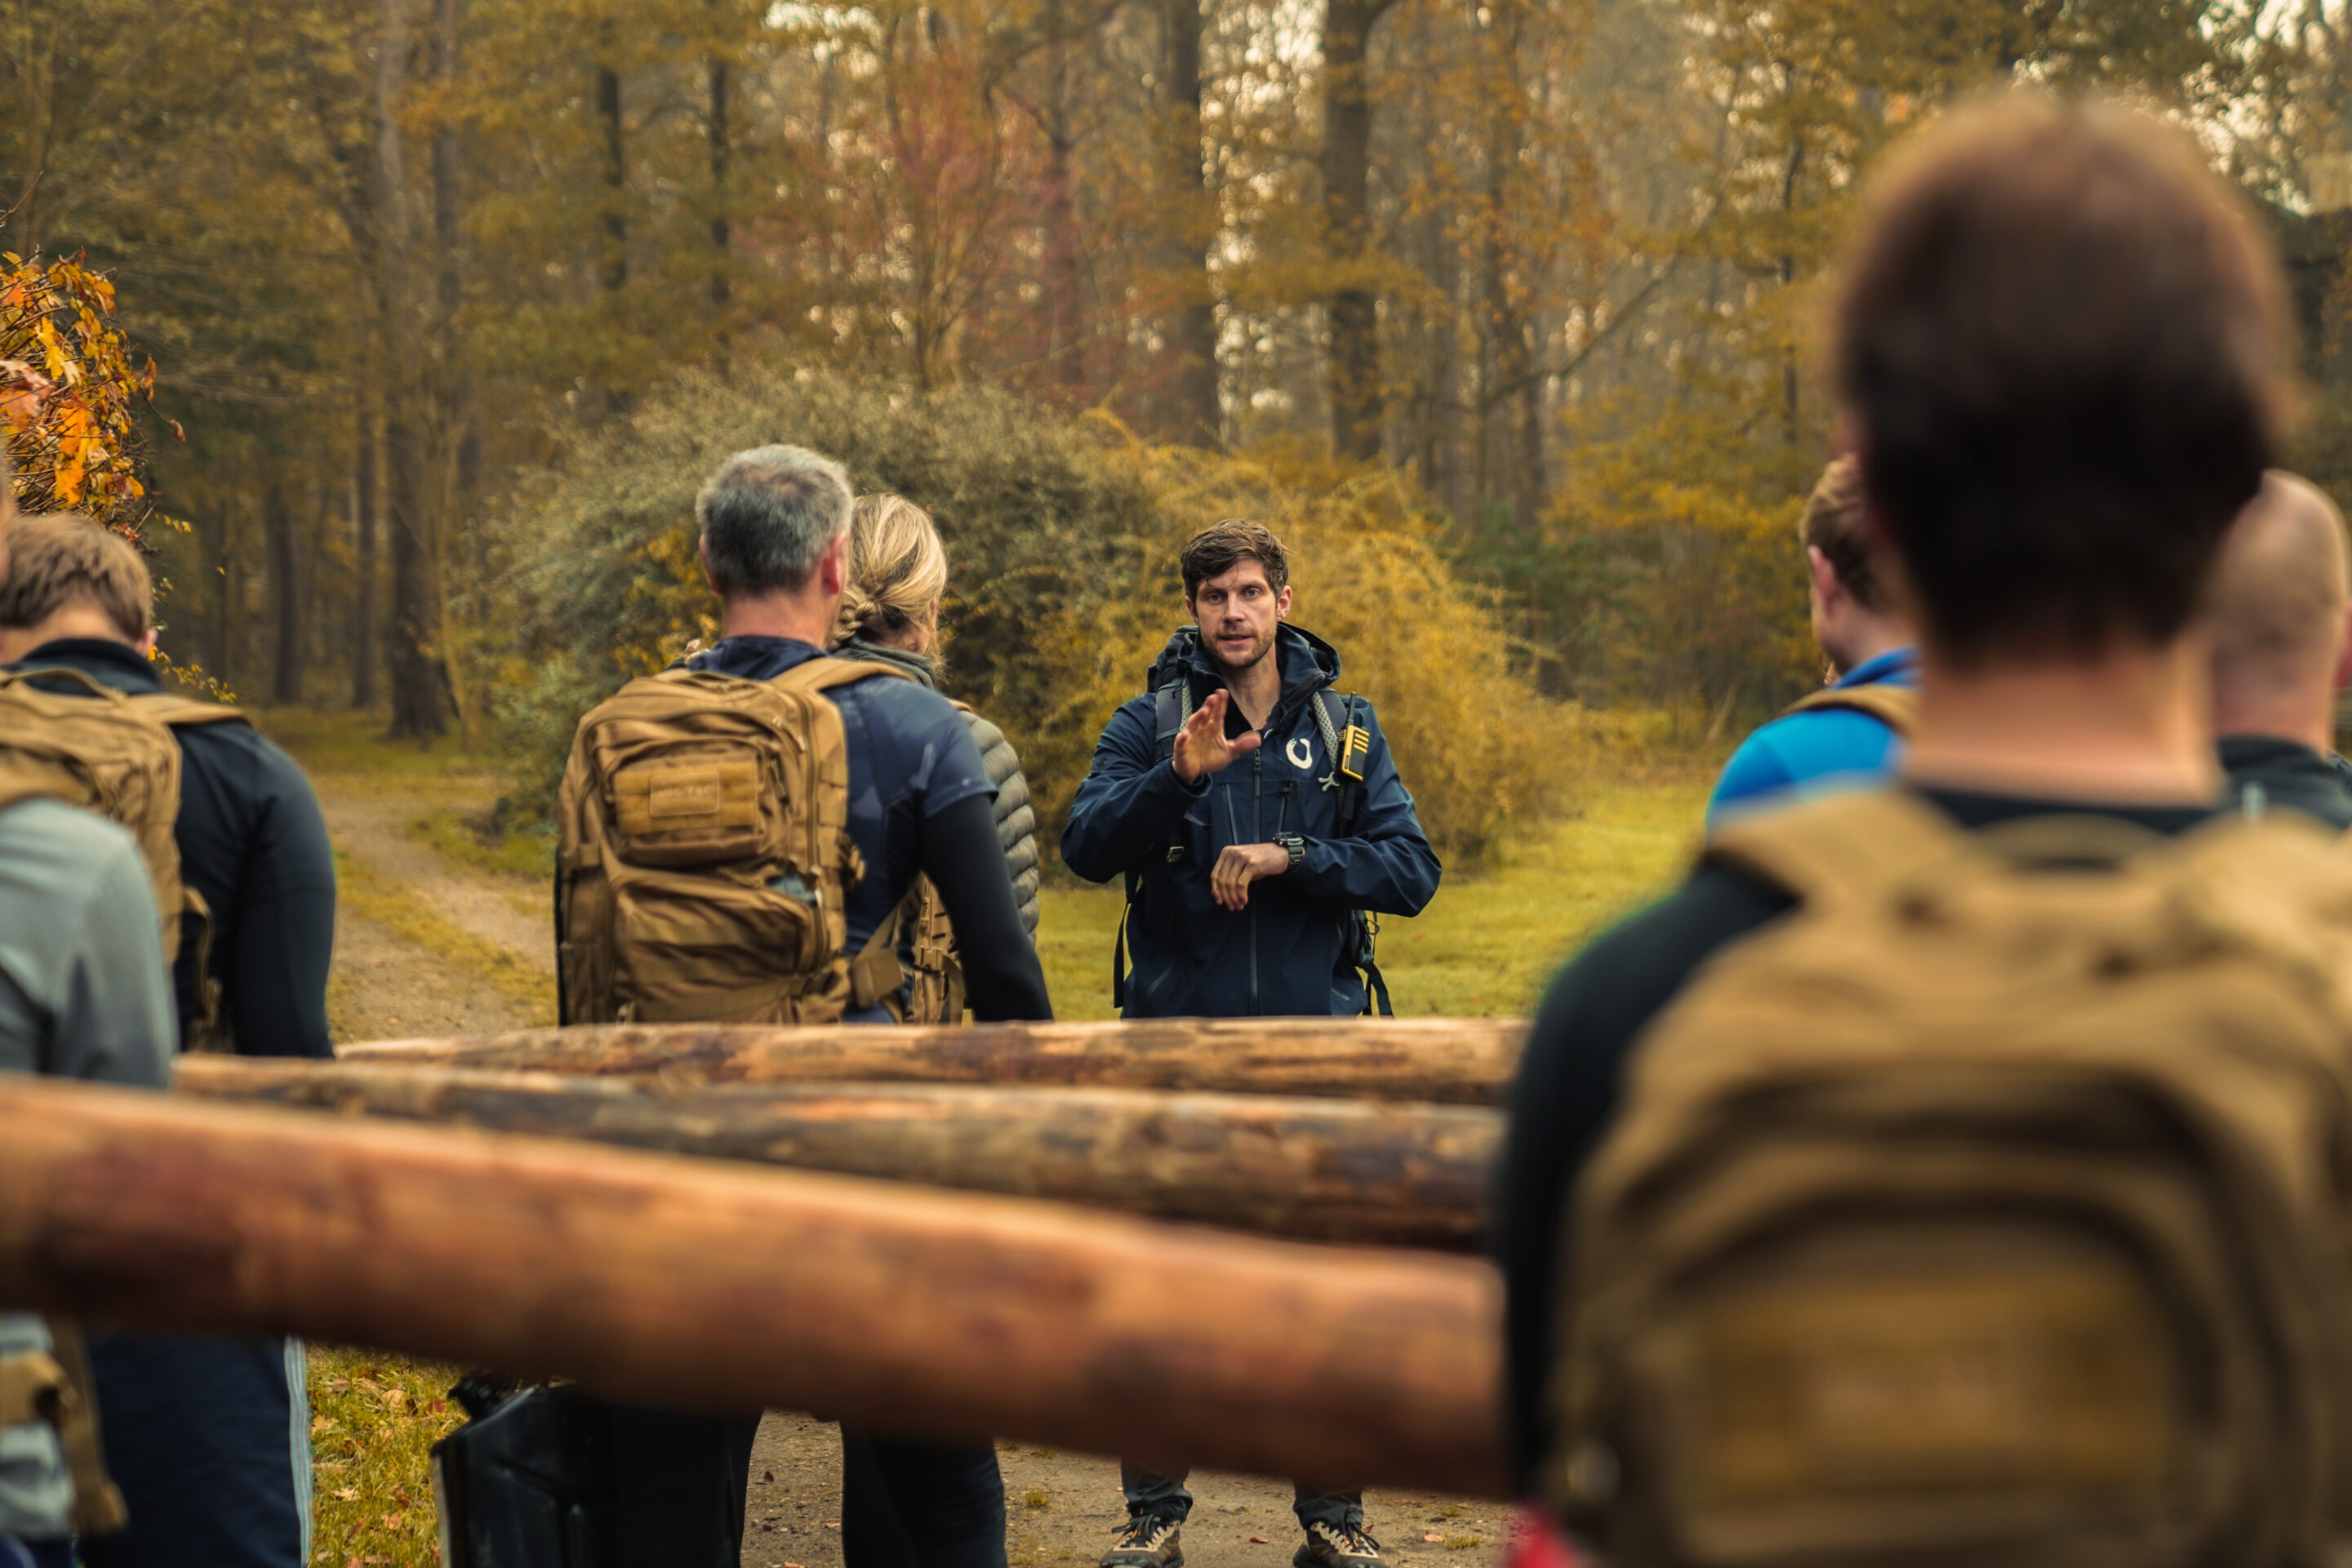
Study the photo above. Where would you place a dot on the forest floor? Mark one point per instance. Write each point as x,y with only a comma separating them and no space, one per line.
444,927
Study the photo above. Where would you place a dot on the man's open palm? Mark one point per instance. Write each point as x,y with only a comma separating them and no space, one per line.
1201,747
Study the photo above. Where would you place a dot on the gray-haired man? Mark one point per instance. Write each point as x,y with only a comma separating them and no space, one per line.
775,524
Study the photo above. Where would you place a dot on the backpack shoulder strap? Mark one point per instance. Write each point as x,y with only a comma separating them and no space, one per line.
1897,708
185,713
1172,709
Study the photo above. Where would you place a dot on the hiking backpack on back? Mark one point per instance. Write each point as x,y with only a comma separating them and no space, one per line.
1989,1206
703,854
116,754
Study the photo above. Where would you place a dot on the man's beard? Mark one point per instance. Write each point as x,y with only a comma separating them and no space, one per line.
1217,656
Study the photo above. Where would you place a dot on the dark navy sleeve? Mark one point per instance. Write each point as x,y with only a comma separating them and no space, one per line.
276,989
1564,1094
935,751
1385,864
1130,798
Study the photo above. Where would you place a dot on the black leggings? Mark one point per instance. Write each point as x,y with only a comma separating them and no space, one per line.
920,1505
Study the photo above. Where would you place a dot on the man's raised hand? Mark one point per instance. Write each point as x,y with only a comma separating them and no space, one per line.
1201,747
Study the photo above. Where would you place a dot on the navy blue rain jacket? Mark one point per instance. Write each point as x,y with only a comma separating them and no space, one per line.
1291,952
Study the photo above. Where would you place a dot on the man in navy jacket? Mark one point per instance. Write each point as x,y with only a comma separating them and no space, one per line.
1229,797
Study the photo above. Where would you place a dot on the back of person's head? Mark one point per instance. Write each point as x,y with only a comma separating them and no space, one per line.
898,571
63,561
1833,525
1221,545
2061,339
2277,610
767,516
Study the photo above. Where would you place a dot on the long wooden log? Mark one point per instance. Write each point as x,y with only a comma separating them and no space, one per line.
1458,1061
1325,1170
701,1285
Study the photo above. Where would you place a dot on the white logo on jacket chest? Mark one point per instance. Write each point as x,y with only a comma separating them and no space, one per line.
1301,755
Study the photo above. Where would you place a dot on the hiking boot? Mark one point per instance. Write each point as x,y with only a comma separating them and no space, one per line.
1147,1540
1338,1546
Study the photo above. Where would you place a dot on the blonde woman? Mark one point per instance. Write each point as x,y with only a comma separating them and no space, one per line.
922,1505
890,614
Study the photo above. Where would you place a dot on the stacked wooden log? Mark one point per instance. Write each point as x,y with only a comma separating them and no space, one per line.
852,1286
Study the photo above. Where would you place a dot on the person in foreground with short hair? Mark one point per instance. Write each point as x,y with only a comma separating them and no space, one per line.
2057,482
209,1438
83,994
1847,734
775,544
1253,857
2282,650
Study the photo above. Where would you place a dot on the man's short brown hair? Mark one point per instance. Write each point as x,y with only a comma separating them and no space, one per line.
1218,548
63,558
1832,524
2064,341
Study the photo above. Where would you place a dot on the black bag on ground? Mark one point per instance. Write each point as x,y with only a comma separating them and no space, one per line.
528,1482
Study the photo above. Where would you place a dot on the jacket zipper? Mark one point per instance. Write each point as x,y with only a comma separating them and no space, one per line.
1257,831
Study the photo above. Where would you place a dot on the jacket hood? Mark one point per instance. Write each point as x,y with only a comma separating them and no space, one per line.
1308,662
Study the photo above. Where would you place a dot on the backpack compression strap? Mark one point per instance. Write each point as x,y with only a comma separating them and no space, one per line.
1897,708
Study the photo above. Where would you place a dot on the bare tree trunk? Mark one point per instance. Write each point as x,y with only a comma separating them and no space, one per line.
1192,218
418,698
1064,274
1352,369
366,641
285,592
721,149
613,272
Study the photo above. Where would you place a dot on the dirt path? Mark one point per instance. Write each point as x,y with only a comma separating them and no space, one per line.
1062,1507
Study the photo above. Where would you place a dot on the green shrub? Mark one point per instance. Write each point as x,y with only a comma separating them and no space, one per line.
1063,536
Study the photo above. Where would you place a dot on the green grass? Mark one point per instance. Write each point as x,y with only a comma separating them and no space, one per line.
1487,942
374,1421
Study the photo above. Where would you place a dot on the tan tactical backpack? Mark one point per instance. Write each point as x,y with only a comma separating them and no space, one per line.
1989,1208
117,755
703,854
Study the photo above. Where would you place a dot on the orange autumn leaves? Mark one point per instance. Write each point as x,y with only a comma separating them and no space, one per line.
70,396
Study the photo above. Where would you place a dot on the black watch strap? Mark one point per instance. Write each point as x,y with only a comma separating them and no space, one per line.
1295,845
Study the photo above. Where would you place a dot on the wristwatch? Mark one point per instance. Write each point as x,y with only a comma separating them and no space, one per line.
1294,846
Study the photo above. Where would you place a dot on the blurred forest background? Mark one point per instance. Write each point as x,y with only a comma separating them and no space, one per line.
1502,309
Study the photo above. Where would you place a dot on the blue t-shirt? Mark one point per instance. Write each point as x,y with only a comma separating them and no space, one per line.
1802,755
910,758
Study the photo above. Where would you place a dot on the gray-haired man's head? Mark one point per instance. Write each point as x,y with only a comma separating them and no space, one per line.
767,516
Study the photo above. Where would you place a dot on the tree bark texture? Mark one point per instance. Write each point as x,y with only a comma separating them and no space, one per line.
1319,1170
1352,369
1190,213
722,239
698,1285
1457,1061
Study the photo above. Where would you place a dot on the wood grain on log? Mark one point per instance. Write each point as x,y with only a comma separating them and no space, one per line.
1325,1170
1458,1061
700,1285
